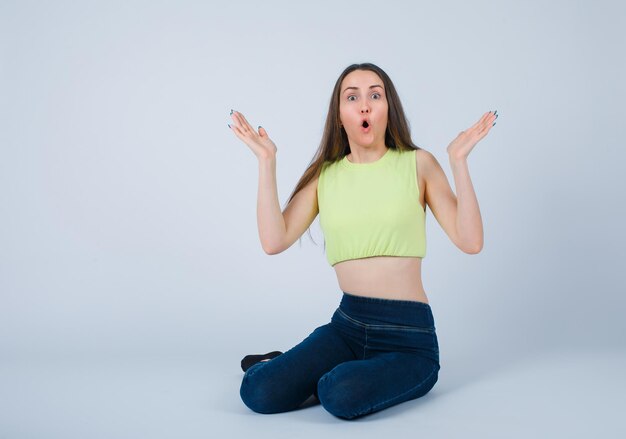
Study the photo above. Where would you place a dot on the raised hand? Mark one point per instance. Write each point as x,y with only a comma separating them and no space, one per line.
259,142
460,147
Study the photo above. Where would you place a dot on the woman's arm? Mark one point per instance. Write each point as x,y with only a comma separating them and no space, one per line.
270,220
269,217
277,230
458,215
469,224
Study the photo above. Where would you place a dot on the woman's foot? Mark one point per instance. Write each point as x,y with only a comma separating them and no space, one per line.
250,360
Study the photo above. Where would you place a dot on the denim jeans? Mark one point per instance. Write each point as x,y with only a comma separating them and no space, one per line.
373,354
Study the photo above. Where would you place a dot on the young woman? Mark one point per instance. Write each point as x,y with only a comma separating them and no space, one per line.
370,185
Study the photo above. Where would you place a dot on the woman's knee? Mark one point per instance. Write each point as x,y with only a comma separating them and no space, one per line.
256,391
339,398
344,393
265,390
284,383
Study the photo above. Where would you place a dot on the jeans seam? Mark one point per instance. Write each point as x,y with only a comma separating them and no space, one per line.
365,345
356,322
404,328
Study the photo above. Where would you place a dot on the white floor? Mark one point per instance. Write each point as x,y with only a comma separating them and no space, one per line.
550,395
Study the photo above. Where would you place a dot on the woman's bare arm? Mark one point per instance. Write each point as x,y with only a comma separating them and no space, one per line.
459,215
277,230
270,220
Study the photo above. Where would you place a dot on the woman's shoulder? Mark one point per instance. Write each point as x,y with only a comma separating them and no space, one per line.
422,153
425,161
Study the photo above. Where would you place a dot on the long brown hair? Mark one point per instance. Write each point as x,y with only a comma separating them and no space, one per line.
335,146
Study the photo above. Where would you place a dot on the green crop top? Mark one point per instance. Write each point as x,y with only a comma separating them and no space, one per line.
371,209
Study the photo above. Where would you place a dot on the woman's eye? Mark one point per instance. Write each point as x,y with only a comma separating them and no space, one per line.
373,94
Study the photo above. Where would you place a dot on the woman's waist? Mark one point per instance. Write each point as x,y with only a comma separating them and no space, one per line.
387,277
378,312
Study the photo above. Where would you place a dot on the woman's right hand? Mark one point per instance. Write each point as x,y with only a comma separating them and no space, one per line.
260,143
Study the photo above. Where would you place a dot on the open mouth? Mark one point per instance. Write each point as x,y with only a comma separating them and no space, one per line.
365,124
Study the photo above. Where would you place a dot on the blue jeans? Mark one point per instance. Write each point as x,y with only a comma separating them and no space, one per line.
374,353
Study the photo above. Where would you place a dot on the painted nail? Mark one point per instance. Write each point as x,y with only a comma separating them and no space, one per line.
493,124
231,111
497,115
259,127
228,125
496,112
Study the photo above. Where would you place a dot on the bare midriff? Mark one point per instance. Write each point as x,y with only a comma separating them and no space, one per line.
386,277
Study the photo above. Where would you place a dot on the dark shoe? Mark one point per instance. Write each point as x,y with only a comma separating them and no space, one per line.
250,360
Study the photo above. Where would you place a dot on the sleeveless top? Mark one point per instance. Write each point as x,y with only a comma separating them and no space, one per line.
371,209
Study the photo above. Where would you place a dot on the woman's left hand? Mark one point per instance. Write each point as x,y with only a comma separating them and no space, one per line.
460,147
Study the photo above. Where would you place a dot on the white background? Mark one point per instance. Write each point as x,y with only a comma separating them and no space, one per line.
128,207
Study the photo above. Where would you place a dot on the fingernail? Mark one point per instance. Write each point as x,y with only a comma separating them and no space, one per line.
497,115
496,112
493,124
259,127
228,125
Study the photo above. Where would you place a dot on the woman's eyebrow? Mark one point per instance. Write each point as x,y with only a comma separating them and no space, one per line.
356,88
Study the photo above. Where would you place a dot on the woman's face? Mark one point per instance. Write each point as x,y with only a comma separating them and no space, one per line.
362,99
